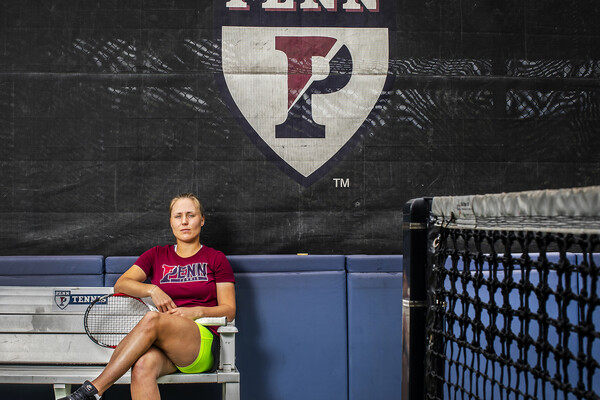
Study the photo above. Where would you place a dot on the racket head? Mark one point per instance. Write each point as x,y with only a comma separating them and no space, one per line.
108,319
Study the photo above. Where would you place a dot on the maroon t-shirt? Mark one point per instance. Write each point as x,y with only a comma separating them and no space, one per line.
188,281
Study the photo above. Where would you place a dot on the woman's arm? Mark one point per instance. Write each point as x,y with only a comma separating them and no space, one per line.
132,283
224,308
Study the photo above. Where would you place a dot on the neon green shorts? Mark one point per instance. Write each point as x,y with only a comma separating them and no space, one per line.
204,361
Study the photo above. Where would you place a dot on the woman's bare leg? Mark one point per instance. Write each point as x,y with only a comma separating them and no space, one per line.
153,364
178,337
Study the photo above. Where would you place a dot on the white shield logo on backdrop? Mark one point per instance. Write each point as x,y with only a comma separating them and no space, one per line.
305,91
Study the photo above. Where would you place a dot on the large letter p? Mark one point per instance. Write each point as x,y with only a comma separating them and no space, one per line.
299,51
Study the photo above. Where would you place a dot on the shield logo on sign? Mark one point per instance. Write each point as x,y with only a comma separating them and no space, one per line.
303,93
62,298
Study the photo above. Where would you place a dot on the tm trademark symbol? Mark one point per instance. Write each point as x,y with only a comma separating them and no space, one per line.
341,182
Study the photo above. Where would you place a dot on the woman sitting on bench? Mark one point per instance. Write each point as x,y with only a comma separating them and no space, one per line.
169,340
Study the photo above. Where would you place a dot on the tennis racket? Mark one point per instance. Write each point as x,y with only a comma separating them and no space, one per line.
108,319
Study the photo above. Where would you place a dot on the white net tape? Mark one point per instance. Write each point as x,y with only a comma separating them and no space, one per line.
575,210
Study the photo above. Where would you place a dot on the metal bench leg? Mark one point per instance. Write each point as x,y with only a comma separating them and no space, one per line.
231,391
61,390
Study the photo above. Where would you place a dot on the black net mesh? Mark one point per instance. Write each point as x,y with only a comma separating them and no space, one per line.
513,315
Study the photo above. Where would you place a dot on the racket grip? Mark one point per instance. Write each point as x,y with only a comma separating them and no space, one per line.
149,303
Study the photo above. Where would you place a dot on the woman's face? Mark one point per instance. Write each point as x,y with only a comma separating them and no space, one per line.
186,220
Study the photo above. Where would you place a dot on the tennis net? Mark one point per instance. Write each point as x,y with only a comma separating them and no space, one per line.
512,298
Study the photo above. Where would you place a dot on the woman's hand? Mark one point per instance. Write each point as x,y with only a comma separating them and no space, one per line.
132,283
185,312
161,300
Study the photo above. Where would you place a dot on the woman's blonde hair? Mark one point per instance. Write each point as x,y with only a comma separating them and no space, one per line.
190,196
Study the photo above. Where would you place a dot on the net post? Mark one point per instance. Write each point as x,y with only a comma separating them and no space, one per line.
414,297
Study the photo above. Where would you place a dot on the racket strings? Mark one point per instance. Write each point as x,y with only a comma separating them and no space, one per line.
110,321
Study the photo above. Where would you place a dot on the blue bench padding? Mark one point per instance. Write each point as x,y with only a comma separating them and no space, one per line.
374,327
52,270
367,263
286,263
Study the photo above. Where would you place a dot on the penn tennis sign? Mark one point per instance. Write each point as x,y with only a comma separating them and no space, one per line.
304,78
75,299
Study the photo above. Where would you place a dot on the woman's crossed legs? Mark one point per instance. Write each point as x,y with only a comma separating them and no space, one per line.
153,348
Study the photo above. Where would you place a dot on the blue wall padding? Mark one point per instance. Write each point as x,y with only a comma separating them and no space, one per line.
51,265
52,280
368,263
115,266
118,265
286,263
52,270
292,342
374,327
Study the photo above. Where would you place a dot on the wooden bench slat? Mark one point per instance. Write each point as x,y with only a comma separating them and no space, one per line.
26,292
47,290
52,348
67,323
44,323
76,375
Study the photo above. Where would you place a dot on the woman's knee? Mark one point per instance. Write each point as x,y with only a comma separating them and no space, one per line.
150,322
148,366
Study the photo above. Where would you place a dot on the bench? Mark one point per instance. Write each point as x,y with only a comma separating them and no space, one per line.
43,341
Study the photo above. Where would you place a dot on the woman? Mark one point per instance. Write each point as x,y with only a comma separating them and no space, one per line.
188,281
